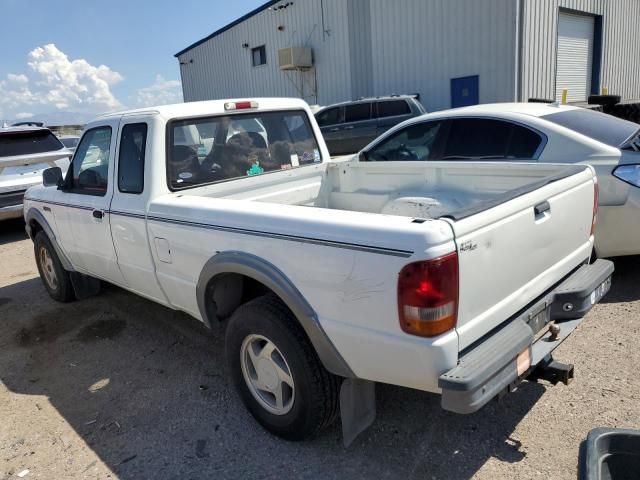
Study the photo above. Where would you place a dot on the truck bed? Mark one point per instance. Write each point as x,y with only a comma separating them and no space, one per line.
508,254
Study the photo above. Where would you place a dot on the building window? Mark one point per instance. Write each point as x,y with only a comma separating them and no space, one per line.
259,56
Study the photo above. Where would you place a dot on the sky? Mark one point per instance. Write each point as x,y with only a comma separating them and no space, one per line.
92,56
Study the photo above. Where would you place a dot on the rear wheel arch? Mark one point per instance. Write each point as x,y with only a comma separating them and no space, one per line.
245,269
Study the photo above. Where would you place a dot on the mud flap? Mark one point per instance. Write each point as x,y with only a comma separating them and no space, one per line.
84,286
357,407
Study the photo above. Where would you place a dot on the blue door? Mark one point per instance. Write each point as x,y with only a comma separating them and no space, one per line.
465,91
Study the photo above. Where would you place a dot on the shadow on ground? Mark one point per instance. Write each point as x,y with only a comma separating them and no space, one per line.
12,231
626,280
146,389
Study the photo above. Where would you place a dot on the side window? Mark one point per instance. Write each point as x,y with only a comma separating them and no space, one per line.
332,116
357,112
414,143
133,143
476,139
524,143
90,170
393,108
259,56
487,139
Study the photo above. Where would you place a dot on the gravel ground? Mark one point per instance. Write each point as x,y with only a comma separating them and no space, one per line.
118,387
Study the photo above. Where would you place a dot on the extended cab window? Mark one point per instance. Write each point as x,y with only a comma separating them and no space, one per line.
414,143
487,139
214,149
90,167
133,142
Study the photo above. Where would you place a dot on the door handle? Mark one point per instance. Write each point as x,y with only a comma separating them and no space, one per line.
334,130
349,128
542,208
98,214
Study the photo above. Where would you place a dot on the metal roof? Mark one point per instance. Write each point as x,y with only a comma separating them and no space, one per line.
229,26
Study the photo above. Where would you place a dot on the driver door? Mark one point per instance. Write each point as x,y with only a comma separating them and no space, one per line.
82,213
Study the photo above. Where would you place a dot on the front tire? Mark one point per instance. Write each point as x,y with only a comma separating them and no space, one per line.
55,278
276,371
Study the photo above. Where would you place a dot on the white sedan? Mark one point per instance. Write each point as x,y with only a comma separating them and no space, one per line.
535,132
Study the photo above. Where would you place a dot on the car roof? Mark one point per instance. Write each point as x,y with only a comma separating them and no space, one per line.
531,109
209,107
23,128
368,99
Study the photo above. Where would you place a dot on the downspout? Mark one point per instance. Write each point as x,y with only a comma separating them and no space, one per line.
519,35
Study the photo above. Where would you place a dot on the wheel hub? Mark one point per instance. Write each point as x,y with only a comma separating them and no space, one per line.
267,374
46,262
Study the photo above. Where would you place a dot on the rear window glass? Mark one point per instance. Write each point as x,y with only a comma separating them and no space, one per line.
393,108
237,146
27,143
357,112
605,128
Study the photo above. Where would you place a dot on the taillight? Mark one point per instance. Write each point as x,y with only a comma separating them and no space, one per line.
596,195
428,296
240,105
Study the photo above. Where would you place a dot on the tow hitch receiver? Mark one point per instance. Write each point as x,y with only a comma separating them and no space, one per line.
552,372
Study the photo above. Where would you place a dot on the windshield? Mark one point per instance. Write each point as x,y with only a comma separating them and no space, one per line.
215,149
28,142
599,126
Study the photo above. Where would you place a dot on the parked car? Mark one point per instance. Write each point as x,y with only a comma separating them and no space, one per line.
70,141
330,276
526,132
25,152
349,126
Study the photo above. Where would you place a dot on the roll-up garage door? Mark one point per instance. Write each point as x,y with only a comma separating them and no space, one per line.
575,56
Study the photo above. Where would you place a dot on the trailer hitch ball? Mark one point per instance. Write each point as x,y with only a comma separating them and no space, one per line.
555,331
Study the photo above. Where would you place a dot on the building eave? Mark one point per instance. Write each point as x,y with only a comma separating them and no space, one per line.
228,26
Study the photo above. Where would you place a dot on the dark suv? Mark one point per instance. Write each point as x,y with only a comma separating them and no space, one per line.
348,127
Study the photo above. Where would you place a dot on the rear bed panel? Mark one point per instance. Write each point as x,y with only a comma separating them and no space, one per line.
509,255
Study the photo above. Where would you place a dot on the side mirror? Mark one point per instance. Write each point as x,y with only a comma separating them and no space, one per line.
363,156
52,177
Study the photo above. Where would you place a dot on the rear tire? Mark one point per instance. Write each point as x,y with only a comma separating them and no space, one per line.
55,278
276,371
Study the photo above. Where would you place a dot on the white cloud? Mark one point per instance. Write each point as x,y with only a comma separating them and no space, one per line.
161,92
58,83
23,115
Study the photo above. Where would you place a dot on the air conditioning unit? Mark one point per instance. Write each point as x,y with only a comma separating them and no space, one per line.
295,58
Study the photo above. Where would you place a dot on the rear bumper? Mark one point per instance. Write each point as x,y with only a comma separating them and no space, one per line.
11,204
12,211
491,366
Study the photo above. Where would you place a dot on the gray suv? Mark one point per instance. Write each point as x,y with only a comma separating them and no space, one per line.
348,127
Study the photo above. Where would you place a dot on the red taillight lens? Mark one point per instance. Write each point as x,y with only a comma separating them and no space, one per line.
240,105
428,296
596,195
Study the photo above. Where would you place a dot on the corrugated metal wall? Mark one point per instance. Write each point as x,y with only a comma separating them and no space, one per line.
222,68
380,47
370,47
620,45
419,46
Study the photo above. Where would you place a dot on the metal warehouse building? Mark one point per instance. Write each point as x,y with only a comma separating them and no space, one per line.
450,52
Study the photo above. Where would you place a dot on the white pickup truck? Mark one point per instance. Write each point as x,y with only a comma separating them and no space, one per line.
459,279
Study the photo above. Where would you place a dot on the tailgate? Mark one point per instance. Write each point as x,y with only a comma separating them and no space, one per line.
513,252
